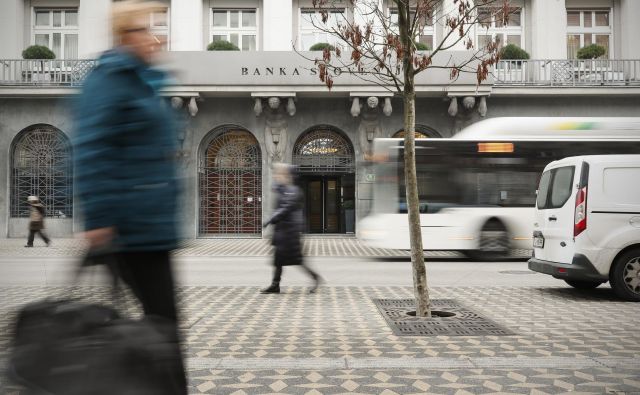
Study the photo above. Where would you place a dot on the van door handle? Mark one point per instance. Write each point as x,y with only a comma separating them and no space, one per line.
553,218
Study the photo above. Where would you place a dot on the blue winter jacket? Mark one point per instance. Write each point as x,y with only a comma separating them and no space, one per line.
125,149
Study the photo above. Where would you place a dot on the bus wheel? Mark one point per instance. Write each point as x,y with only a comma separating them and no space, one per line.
493,244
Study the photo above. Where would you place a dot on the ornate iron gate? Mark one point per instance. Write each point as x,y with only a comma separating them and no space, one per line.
41,166
231,185
323,150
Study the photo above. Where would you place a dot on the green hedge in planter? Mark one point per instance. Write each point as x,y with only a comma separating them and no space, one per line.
592,51
513,52
38,52
321,47
222,46
422,47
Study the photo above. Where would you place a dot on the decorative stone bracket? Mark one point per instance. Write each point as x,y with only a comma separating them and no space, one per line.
178,102
468,103
372,102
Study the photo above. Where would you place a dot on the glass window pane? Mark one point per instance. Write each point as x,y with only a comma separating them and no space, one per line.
588,18
573,45
426,39
562,186
248,19
42,18
160,18
307,41
602,18
515,18
71,46
306,19
235,39
499,40
543,190
573,18
42,39
57,18
219,18
249,43
71,18
514,39
587,40
484,40
499,18
219,37
234,20
603,40
484,16
57,43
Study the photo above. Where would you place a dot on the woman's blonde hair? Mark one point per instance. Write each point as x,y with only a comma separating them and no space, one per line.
128,14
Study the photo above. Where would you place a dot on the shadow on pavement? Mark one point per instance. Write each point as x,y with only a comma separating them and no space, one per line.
581,295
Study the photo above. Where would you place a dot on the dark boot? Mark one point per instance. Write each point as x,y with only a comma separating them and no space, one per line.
318,280
274,288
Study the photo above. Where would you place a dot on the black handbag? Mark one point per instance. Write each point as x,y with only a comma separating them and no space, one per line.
68,347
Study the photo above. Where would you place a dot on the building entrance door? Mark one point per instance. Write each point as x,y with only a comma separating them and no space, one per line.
328,204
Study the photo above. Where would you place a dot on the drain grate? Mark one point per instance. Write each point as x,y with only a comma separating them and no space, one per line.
464,323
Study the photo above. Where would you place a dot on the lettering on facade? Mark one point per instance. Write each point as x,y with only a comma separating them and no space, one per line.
291,71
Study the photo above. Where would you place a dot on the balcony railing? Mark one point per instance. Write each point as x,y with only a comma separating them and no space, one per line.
574,72
44,72
560,73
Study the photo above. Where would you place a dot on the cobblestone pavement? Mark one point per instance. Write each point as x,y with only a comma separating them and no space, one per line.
240,342
313,246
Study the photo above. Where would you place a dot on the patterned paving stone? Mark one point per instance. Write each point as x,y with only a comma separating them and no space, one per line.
313,246
336,341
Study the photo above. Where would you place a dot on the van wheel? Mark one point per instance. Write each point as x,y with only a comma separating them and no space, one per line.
493,244
625,275
583,284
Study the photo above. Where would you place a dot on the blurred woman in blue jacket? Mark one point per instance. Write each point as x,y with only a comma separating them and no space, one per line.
125,147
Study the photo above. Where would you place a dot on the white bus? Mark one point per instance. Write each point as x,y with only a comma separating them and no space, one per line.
478,190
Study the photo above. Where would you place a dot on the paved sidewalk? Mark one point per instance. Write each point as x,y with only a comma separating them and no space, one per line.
313,246
240,342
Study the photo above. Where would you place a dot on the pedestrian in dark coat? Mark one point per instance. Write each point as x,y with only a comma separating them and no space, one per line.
36,221
125,151
288,222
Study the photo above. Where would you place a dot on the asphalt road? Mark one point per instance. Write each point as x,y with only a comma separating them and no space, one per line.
256,271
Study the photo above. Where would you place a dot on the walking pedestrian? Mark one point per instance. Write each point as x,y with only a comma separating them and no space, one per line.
288,222
125,150
36,221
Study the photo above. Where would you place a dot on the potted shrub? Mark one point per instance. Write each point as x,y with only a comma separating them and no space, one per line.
593,51
222,46
422,47
321,47
38,52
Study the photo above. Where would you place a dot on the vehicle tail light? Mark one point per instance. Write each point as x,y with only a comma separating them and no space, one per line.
580,215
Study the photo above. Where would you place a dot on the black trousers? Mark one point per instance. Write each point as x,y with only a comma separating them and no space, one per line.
277,273
150,277
32,236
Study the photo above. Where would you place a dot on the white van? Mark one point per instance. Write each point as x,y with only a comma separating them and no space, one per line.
587,223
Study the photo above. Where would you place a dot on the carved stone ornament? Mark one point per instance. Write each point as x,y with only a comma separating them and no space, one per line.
193,107
482,107
469,102
257,107
355,107
387,110
372,102
453,107
291,107
177,102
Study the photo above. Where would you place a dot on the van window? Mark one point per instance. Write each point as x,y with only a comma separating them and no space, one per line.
556,186
561,186
543,190
621,185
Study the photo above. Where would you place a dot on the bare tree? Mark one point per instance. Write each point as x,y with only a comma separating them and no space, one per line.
378,45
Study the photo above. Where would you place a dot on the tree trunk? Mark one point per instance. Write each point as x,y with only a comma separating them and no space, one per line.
420,289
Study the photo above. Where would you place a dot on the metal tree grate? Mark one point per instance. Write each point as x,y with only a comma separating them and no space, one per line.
464,323
323,150
42,166
231,186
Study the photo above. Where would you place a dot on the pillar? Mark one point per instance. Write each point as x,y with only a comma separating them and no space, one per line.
277,19
629,30
11,29
186,25
549,29
95,29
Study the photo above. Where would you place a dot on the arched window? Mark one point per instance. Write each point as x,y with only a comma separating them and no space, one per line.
421,132
323,150
41,165
231,184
